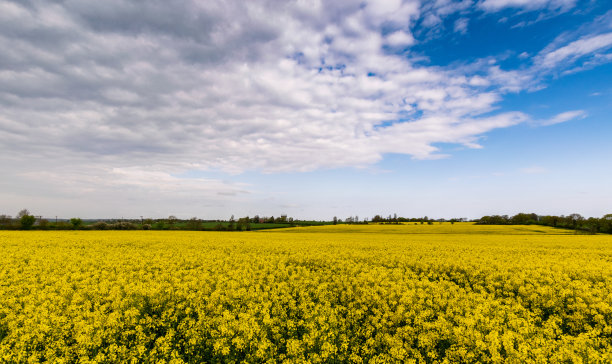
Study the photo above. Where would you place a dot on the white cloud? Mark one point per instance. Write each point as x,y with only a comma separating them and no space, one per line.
144,180
533,170
443,8
569,53
497,5
564,117
399,38
461,25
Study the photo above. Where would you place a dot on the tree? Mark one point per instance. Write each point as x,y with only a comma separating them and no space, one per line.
335,220
194,224
27,221
23,213
231,224
43,224
575,220
159,225
243,223
549,220
100,225
524,219
606,224
593,225
6,222
76,223
493,220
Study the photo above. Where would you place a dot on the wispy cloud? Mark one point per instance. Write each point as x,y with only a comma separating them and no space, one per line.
461,25
564,117
533,170
145,181
569,53
497,5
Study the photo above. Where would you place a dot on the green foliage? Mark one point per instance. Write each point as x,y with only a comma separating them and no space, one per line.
591,225
76,223
122,225
43,224
159,225
100,225
243,224
6,222
194,224
26,222
171,223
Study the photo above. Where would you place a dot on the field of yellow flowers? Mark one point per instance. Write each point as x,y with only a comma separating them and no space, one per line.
347,293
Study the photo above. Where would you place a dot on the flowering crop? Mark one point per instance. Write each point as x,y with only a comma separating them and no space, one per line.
375,293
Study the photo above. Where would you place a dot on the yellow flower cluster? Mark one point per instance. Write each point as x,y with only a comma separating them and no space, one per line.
376,293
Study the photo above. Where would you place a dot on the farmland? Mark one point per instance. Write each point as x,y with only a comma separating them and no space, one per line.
345,293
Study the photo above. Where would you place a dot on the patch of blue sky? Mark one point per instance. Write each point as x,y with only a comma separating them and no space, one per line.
334,67
498,35
590,91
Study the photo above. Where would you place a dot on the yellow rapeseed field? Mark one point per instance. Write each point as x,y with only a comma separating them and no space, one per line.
347,293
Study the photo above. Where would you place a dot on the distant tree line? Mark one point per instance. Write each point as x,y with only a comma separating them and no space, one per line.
24,220
394,219
576,222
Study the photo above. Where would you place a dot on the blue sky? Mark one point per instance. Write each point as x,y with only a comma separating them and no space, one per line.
308,108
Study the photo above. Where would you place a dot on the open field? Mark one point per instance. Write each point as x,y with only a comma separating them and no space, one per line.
436,228
346,293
